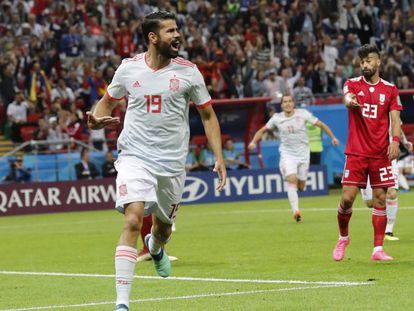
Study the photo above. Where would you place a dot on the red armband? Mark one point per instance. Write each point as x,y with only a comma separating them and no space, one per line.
396,138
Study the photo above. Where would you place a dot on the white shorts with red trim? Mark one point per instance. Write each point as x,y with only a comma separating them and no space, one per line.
161,194
294,166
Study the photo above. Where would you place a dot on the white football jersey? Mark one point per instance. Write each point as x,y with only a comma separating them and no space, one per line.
156,127
294,141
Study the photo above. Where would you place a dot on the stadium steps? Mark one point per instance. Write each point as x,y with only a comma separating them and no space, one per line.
6,146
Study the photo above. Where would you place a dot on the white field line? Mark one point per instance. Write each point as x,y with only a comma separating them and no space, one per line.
178,278
305,210
188,297
241,211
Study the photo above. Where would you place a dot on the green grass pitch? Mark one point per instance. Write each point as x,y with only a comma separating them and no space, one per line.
247,242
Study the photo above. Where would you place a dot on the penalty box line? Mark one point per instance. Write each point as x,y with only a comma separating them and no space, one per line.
187,297
178,278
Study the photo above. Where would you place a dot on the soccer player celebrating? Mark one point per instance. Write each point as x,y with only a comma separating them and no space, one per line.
294,146
153,145
391,202
370,101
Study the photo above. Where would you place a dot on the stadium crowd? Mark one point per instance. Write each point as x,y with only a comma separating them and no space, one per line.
57,57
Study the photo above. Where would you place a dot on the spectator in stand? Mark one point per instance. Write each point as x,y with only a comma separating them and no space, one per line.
236,88
330,25
90,44
258,86
275,87
55,135
302,94
366,31
243,68
192,164
290,81
320,79
141,8
17,173
71,45
329,55
85,169
206,159
7,84
37,82
348,15
64,92
97,86
123,38
108,168
17,116
338,80
232,157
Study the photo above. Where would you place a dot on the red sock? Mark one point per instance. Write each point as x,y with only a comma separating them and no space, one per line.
343,219
146,228
379,221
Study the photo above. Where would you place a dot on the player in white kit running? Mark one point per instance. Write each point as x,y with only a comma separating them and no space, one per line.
153,144
294,146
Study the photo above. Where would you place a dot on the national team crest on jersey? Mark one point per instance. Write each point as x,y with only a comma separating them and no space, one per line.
346,173
174,84
123,191
382,99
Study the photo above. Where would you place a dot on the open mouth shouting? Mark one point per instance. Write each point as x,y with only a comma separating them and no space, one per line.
175,45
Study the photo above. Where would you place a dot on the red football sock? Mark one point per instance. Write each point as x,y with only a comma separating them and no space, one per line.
343,220
379,221
146,228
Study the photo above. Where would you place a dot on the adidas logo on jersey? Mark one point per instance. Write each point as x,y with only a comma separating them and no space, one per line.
361,93
136,84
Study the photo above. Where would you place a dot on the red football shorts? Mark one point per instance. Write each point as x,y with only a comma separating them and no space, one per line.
358,168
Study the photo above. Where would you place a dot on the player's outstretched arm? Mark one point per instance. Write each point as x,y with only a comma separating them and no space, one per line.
101,116
212,129
351,101
257,137
393,148
328,131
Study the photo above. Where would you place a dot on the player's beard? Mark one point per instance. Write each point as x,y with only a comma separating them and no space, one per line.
165,50
368,73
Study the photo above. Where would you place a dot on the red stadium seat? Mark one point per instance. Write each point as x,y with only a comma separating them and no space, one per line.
85,137
111,136
27,132
224,137
80,103
408,128
199,140
33,118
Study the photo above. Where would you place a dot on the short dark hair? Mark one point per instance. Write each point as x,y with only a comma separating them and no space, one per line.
287,95
364,50
83,151
151,22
